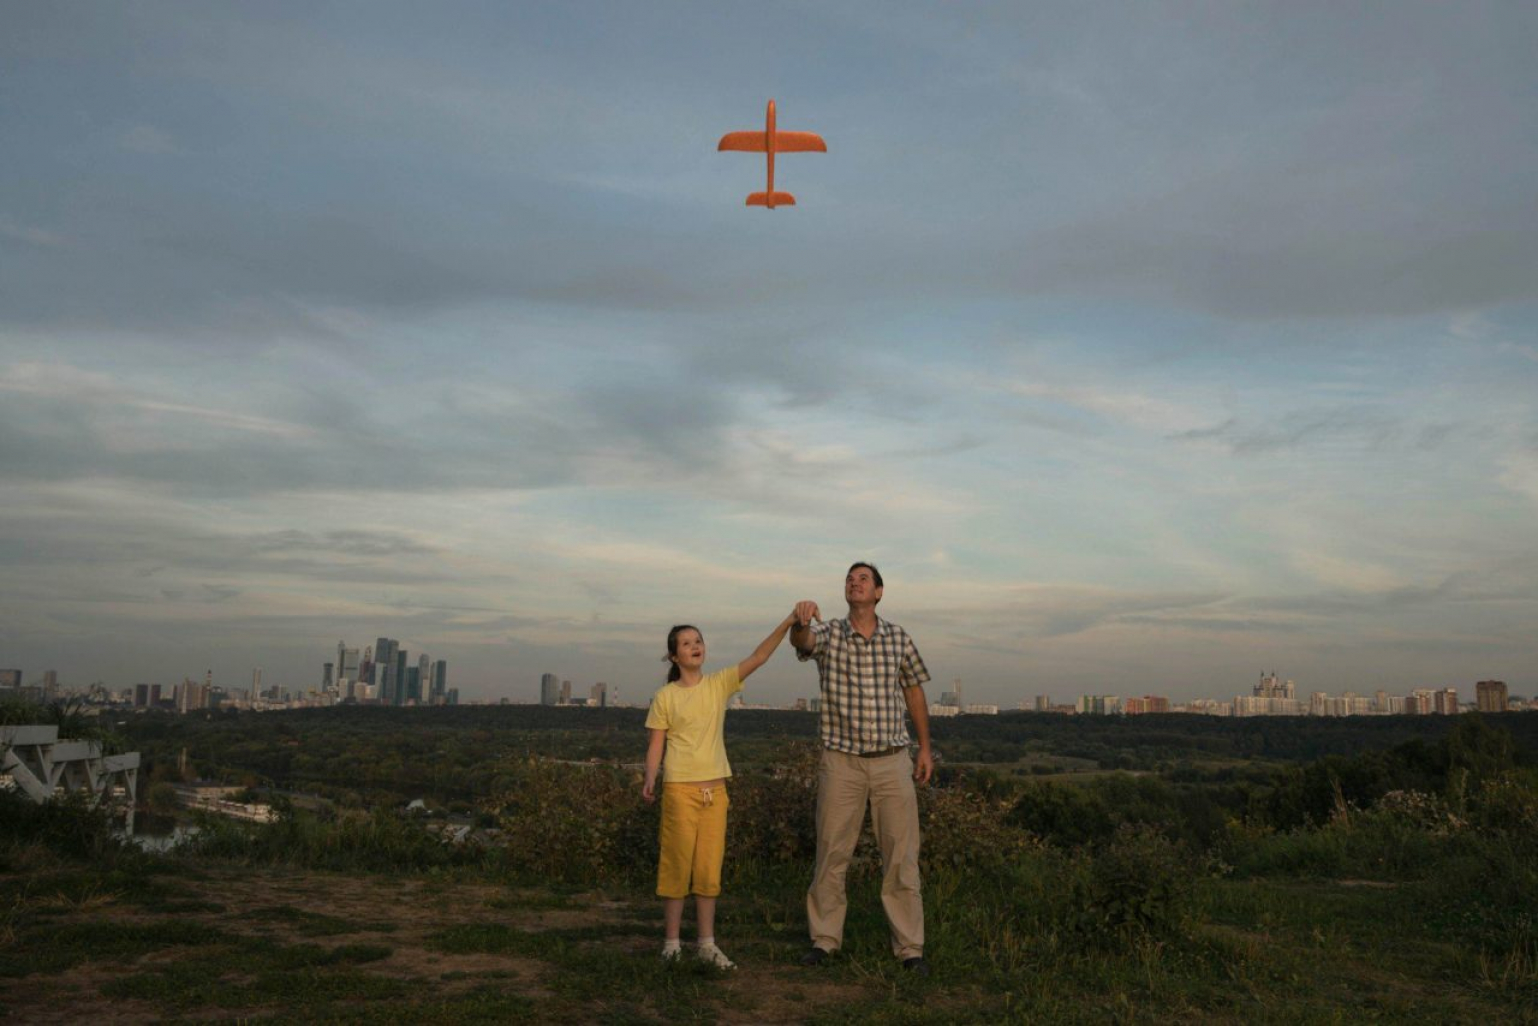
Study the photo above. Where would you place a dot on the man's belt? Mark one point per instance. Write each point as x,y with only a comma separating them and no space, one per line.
881,752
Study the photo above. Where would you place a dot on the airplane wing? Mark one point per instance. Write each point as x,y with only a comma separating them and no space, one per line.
798,142
752,142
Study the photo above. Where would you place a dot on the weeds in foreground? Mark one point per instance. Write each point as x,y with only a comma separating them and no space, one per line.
1417,907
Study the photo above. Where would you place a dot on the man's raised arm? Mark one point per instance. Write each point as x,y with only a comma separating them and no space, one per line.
801,631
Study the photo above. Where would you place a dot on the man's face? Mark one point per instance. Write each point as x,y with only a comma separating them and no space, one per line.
860,587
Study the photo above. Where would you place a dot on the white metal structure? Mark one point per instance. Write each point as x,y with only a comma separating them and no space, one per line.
41,766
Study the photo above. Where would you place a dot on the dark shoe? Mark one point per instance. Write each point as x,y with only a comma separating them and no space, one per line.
916,965
816,956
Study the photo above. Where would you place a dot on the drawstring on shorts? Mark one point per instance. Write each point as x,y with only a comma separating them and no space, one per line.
708,795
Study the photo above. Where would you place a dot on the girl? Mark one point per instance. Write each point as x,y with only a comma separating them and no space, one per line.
686,716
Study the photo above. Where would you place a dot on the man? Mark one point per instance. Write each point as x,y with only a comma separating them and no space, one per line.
871,674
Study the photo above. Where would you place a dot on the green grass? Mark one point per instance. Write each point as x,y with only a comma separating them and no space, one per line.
1373,917
52,948
315,924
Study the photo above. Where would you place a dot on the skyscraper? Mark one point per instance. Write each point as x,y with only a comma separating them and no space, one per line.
440,685
549,689
385,679
1490,695
384,669
347,665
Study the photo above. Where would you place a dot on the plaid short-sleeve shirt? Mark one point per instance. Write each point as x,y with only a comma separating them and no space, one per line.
863,708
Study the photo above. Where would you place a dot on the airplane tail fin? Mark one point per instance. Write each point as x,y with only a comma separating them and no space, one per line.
778,199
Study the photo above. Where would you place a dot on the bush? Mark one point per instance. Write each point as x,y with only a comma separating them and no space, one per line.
379,842
588,823
1062,813
1140,884
577,824
773,817
162,798
963,830
69,826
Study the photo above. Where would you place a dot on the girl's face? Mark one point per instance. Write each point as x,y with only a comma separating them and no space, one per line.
690,651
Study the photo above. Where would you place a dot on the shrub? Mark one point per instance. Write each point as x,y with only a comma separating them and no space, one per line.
1062,813
575,823
1140,884
773,816
378,842
964,830
69,826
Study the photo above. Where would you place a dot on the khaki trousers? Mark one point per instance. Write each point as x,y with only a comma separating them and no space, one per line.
845,784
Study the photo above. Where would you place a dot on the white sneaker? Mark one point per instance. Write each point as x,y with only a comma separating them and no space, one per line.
715,956
671,954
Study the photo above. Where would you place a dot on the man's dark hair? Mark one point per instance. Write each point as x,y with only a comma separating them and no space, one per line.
875,574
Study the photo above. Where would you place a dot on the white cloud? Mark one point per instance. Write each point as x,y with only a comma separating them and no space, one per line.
1139,410
35,236
1519,472
104,396
146,139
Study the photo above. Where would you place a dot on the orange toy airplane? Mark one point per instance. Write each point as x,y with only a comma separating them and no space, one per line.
769,142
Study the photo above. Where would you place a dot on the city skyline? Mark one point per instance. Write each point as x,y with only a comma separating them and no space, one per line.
1141,348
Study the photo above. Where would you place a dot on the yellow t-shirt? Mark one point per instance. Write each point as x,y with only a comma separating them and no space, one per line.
694,718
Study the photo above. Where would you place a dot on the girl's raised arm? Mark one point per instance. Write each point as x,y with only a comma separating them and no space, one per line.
765,648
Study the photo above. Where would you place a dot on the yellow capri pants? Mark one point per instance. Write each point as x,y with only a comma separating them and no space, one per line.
693,840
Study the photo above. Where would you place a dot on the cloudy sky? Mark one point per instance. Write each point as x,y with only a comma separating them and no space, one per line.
1145,347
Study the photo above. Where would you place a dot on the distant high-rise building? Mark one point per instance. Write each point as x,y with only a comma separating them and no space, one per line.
1446,701
10,678
1490,696
1271,687
413,686
348,665
549,689
383,677
565,693
1271,697
451,697
953,696
325,677
439,689
400,676
1043,703
600,694
50,682
190,696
